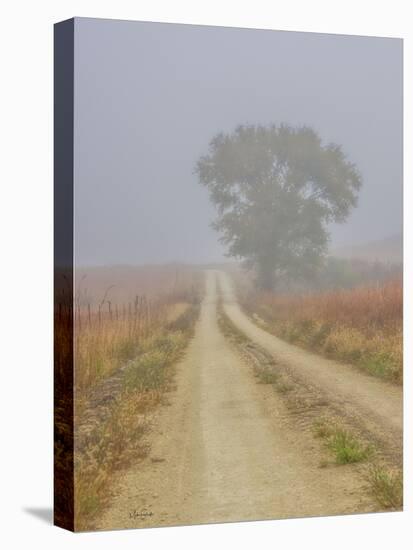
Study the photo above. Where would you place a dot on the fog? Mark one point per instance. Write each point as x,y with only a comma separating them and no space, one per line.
149,98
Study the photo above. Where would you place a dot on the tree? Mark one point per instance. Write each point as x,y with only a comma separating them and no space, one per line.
276,189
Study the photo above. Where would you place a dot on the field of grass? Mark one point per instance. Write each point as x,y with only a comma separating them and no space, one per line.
124,355
362,325
113,321
117,441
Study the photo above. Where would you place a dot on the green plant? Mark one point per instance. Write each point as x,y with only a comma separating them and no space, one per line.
266,375
347,448
387,486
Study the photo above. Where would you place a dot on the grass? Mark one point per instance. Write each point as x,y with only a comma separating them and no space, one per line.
346,448
112,446
103,342
228,328
116,442
322,428
361,326
266,375
284,387
148,372
264,369
114,322
131,348
387,486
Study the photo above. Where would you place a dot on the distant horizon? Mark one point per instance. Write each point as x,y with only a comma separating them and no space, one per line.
225,260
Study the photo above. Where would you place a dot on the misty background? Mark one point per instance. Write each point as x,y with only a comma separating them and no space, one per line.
149,97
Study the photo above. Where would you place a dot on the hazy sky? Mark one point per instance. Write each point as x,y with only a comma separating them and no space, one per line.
149,97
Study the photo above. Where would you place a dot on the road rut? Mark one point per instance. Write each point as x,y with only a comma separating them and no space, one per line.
221,451
376,406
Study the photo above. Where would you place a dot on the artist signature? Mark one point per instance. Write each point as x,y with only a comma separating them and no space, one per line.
135,514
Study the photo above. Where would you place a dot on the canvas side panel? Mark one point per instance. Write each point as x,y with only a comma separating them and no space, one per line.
63,275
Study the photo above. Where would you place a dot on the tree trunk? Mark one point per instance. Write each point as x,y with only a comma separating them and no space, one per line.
265,274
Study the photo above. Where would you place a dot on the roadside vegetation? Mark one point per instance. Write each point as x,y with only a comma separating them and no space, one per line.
344,445
387,486
385,483
114,322
124,358
360,325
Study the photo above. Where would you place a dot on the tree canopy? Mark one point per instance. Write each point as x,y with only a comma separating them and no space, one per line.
276,189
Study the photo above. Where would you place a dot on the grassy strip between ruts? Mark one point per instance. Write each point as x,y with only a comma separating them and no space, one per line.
346,448
385,483
387,486
117,441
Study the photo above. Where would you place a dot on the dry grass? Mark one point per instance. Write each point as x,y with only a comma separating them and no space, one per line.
133,346
109,332
117,441
63,410
103,343
362,326
126,282
387,486
113,445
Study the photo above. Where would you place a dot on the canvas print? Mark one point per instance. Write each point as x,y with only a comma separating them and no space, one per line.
228,274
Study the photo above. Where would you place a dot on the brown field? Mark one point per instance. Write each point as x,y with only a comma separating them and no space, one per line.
131,325
119,309
362,325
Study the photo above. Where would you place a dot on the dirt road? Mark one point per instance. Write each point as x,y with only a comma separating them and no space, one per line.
222,450
375,406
